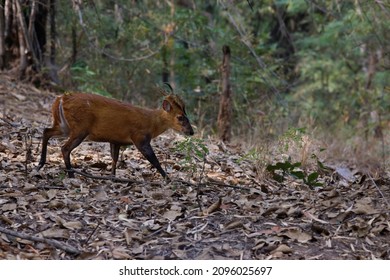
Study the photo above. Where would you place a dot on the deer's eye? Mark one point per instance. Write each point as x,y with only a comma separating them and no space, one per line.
181,118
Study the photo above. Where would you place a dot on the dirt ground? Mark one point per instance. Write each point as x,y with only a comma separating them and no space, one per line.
217,208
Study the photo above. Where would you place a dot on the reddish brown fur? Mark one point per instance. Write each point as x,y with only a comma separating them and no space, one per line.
101,119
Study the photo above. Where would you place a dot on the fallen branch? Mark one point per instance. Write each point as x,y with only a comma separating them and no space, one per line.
220,184
50,187
112,178
57,244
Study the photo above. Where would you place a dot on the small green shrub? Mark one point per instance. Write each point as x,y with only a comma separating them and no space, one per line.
281,170
194,151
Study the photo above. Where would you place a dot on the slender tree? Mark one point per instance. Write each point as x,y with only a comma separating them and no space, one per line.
2,41
225,105
23,36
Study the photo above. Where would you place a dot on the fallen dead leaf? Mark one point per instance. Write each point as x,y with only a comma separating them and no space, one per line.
73,225
282,248
171,215
213,207
55,233
8,207
311,216
297,234
233,224
364,206
121,253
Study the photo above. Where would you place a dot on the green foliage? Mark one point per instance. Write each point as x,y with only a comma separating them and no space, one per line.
258,157
194,151
86,79
292,135
280,170
295,143
333,59
253,155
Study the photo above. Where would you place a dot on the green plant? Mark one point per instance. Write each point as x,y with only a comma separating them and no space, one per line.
281,170
292,135
252,155
257,157
86,79
194,151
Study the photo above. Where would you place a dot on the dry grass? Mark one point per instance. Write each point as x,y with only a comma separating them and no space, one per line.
369,155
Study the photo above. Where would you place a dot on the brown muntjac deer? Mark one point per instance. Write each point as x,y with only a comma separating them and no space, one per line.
81,116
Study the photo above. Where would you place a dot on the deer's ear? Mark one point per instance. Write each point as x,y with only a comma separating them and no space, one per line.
167,106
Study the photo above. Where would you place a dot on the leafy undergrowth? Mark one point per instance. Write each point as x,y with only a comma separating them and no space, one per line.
216,207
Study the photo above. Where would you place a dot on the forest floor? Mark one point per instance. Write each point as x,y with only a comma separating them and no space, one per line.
216,208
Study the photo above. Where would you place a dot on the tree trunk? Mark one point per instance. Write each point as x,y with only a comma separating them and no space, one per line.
37,38
8,11
167,52
2,38
51,60
53,31
23,36
172,44
165,68
372,62
74,45
225,104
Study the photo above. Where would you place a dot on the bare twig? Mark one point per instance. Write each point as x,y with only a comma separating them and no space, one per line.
156,232
92,233
7,121
55,243
250,3
198,200
28,145
380,192
201,176
220,184
381,4
50,187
